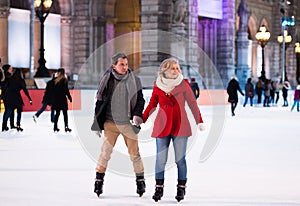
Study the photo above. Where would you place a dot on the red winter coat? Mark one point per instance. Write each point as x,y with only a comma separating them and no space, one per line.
172,118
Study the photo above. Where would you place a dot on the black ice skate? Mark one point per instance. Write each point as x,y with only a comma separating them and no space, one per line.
99,183
159,190
19,128
140,185
4,128
67,129
180,190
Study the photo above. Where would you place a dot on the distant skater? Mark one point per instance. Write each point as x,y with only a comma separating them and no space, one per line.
47,100
232,88
60,103
249,92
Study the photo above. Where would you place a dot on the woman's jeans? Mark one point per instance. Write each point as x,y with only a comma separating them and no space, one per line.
296,102
8,113
162,147
40,111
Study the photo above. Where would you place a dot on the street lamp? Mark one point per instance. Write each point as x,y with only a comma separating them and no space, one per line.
263,37
284,39
297,51
42,9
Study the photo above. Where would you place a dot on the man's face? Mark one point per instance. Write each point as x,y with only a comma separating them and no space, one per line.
10,70
122,66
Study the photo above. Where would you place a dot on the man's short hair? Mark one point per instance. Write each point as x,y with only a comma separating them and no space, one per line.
117,56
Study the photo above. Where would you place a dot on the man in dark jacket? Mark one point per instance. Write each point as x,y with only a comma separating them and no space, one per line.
195,87
8,71
119,106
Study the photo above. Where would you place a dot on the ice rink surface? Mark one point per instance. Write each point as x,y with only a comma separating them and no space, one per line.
256,161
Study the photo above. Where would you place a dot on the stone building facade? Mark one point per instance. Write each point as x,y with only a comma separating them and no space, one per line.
150,30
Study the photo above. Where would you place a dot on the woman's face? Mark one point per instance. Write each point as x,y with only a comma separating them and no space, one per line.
173,72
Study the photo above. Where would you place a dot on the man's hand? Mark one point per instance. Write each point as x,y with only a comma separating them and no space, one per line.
137,120
99,133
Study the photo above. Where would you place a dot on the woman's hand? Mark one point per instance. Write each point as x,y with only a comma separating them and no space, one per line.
201,126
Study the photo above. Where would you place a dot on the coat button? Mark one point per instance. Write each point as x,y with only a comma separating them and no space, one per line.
165,106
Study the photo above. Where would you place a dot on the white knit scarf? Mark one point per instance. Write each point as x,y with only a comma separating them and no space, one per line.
167,85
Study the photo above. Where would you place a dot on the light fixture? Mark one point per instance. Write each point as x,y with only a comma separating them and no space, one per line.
287,38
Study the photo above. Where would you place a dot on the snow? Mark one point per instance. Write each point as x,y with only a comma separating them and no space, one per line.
250,159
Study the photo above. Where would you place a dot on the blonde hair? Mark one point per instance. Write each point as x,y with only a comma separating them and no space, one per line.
167,64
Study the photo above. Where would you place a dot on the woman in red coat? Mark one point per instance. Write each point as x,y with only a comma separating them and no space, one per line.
171,92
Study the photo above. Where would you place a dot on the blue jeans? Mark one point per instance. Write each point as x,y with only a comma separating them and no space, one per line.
162,148
39,112
246,101
8,113
296,102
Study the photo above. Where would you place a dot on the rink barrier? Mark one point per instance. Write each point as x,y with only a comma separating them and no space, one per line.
207,97
37,96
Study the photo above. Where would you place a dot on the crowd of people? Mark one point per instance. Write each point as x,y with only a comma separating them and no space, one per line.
56,94
268,90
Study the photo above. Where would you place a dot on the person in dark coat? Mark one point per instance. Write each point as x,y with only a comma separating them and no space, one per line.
259,88
285,88
195,88
14,99
60,103
8,71
249,92
119,102
47,100
232,89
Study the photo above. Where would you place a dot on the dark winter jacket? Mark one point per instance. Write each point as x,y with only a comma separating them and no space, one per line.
249,89
49,92
232,88
4,83
12,95
195,89
104,95
61,93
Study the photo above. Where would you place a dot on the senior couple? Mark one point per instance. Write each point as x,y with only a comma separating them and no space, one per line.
120,105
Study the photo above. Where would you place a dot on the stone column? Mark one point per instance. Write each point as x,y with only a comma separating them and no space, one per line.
156,18
4,12
66,44
226,42
243,70
81,28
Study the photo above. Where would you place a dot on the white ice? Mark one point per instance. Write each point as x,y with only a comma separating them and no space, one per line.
257,162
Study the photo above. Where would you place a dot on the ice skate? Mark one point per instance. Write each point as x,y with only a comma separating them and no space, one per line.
5,129
19,128
140,183
98,187
180,190
67,129
159,190
13,127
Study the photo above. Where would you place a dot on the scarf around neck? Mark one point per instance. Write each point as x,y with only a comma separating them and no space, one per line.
167,85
